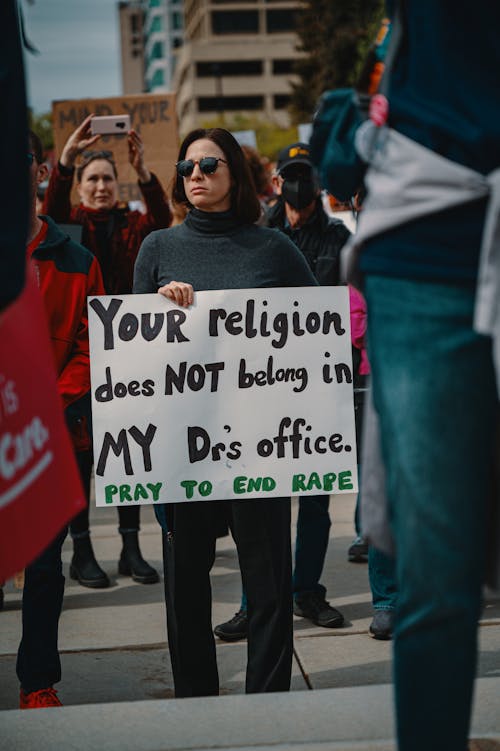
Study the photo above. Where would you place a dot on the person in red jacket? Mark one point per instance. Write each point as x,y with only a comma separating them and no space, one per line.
67,273
113,233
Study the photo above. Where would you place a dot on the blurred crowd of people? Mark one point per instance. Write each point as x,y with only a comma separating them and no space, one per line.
426,246
114,240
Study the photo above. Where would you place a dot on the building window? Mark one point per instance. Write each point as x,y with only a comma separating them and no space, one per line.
157,51
280,20
158,79
229,68
156,24
283,67
235,22
281,101
176,42
134,23
177,21
216,104
154,3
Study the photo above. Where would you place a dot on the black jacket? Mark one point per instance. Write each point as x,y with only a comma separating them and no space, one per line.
320,240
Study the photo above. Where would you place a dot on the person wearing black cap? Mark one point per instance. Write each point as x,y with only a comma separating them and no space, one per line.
299,213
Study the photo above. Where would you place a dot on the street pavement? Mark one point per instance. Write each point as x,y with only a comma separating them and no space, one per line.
117,676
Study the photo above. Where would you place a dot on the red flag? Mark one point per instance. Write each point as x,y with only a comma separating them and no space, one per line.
40,488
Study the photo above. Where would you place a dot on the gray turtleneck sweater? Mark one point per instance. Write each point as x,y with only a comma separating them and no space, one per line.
213,251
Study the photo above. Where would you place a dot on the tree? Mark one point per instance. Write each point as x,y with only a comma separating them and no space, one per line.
335,36
42,126
270,137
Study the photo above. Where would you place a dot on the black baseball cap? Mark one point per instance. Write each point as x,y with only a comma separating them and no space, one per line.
296,153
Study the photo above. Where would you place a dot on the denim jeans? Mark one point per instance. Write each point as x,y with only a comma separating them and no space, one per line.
434,391
382,576
381,567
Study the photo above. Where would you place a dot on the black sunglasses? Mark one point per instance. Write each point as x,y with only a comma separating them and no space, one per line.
208,165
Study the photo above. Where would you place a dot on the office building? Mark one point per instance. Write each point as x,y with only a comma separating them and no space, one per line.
237,57
131,20
163,36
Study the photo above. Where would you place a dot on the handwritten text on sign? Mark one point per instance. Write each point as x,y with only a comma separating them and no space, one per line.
247,393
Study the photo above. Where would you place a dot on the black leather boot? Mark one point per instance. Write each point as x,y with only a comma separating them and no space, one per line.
84,567
132,563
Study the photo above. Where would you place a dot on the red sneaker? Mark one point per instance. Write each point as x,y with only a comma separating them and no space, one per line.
45,697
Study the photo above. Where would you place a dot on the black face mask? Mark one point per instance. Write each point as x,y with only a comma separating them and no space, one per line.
299,193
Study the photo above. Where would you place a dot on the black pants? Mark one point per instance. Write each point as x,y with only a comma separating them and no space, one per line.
128,516
261,529
38,664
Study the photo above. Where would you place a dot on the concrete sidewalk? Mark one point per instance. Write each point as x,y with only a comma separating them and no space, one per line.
116,667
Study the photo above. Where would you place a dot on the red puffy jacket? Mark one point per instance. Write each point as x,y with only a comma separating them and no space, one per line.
67,273
123,230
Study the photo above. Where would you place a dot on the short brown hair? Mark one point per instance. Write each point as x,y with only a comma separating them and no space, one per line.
244,201
257,169
91,156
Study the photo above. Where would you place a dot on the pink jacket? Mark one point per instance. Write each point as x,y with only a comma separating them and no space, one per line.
358,326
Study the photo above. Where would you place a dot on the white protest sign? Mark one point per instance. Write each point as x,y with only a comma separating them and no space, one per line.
305,130
246,137
246,394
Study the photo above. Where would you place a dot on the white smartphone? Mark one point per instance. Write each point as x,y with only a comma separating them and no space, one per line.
110,124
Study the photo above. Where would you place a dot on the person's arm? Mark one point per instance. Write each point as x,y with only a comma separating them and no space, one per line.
57,200
293,268
327,268
343,234
74,379
78,142
146,267
158,214
145,276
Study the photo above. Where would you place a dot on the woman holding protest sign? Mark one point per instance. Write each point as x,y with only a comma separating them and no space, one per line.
218,246
113,233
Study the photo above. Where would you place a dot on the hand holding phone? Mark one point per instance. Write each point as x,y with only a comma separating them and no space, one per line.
80,140
110,125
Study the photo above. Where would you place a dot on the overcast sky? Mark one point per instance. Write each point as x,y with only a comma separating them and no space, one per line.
78,41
